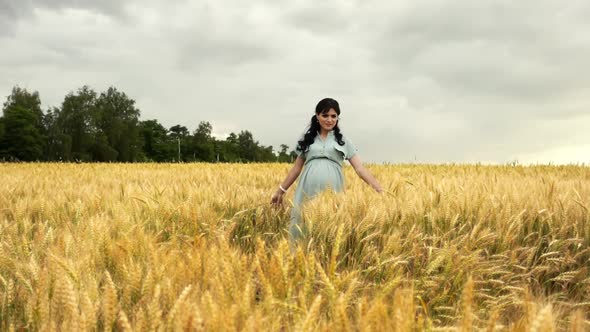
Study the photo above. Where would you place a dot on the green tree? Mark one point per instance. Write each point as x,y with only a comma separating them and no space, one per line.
266,154
1,127
228,150
101,150
203,144
21,139
248,147
54,149
179,136
178,131
284,157
27,100
157,146
31,101
76,124
117,127
88,127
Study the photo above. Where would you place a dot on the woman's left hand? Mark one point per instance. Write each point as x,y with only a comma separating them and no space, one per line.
277,198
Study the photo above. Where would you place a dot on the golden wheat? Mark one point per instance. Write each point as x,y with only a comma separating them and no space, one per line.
197,247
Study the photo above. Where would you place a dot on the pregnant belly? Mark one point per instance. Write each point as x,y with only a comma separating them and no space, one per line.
321,174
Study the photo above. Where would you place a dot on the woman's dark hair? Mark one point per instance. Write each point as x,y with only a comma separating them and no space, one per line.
323,106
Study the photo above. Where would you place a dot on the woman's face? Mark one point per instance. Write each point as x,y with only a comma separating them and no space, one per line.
328,119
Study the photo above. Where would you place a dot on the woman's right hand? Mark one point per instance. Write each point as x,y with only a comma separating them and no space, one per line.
277,198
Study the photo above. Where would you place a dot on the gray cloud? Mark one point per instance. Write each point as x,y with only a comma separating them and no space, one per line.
326,17
10,12
200,50
435,81
497,49
107,7
10,9
16,9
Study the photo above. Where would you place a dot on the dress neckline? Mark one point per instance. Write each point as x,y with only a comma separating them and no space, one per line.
331,132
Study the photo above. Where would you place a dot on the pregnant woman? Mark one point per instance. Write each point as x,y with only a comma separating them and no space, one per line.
320,155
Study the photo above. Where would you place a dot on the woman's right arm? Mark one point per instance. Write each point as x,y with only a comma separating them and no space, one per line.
277,197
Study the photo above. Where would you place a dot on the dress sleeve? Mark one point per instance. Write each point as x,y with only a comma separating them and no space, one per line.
349,148
299,153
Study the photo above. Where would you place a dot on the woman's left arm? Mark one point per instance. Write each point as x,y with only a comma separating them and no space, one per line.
364,173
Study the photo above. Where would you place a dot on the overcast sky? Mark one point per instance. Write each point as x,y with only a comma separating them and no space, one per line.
418,81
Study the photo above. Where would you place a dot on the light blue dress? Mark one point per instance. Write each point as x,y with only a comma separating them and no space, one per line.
322,170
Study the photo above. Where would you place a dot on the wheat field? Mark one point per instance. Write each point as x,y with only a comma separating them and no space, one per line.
197,247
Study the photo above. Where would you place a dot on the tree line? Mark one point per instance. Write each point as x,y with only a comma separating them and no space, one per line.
106,127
